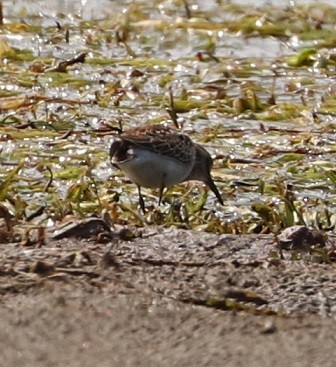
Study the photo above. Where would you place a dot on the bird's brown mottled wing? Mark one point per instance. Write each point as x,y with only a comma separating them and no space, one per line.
163,140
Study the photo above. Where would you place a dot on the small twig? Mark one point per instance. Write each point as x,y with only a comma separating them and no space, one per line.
26,125
50,179
74,271
171,110
66,134
4,213
62,66
46,111
162,262
58,25
200,56
1,14
67,36
187,9
37,213
282,257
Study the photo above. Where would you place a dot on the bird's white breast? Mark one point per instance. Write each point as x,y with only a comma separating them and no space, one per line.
150,169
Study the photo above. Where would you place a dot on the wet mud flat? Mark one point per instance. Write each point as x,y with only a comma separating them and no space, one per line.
253,82
167,297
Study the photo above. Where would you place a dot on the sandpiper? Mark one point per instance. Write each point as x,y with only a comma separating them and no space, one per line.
156,156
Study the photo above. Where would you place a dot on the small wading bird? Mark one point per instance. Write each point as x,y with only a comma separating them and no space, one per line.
156,156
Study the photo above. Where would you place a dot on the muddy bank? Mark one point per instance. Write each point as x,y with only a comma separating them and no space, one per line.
170,297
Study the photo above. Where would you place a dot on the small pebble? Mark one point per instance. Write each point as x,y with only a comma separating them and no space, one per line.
269,327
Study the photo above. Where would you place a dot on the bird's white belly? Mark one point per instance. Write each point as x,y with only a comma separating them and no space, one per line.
149,169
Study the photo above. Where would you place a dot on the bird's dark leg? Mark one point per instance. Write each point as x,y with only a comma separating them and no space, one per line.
160,194
141,200
161,189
